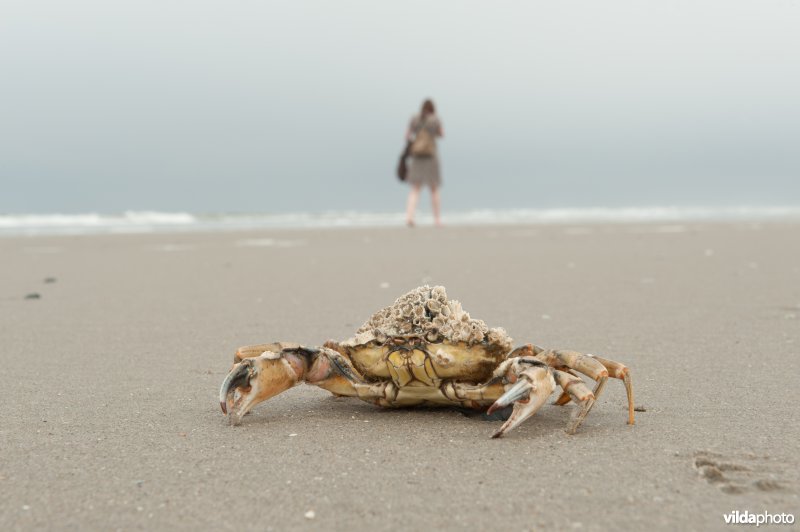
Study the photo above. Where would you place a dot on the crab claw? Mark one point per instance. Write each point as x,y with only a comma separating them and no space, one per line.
238,376
530,392
254,380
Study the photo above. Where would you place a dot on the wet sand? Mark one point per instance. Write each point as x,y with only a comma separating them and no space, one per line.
110,378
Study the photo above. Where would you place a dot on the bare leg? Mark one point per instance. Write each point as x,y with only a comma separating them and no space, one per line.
437,205
411,204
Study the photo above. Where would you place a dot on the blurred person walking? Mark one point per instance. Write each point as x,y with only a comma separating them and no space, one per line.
423,130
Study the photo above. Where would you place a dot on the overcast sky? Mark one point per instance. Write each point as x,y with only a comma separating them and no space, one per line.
243,106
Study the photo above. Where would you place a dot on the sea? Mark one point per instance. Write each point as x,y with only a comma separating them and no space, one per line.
155,222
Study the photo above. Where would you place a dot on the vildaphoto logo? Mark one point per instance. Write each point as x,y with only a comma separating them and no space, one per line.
764,518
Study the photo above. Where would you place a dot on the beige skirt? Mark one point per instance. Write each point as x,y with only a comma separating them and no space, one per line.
425,171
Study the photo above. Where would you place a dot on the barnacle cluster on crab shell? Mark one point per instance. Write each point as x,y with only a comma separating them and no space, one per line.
426,312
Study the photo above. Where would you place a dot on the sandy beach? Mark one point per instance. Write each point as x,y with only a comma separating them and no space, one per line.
110,418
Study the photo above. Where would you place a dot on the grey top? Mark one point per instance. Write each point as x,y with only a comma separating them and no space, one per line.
432,124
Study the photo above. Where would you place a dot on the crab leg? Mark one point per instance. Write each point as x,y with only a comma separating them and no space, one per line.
585,364
259,377
472,395
578,392
253,351
597,368
334,372
565,398
620,371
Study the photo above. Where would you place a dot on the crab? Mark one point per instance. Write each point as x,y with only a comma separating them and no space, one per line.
426,350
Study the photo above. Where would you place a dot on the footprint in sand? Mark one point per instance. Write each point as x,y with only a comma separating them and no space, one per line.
740,474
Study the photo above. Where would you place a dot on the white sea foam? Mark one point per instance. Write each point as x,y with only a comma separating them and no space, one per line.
130,221
269,242
147,221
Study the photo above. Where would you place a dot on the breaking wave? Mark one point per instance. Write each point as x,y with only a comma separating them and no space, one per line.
149,221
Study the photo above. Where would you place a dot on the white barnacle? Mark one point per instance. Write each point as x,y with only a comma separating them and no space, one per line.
499,336
428,313
433,305
364,337
443,358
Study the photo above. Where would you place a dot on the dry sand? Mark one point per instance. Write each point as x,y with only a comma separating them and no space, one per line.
109,380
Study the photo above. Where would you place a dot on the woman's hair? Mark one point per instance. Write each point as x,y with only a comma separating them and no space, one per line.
427,108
